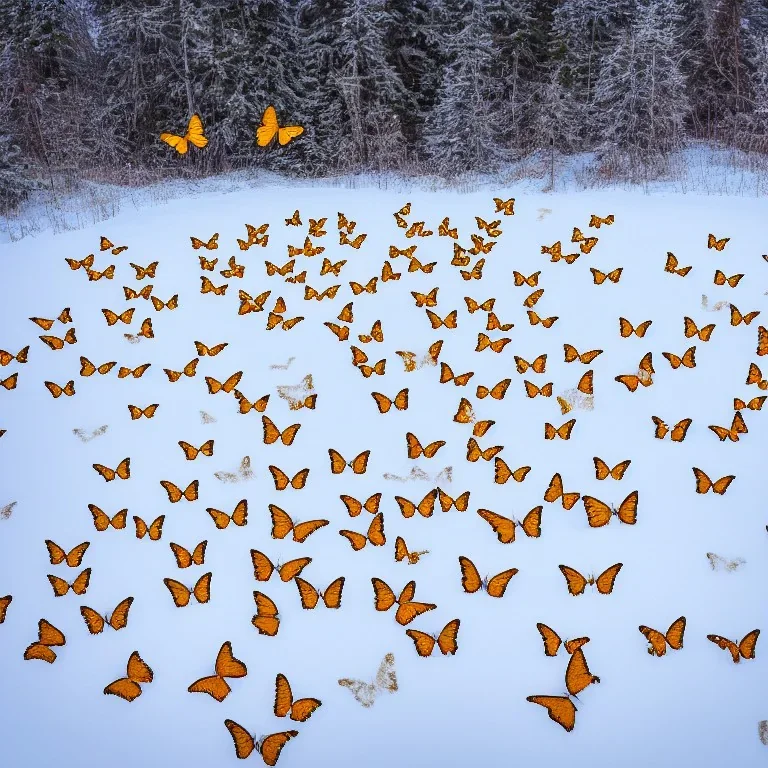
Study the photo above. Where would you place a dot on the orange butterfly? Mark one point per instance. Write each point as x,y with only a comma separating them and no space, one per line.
338,463
206,264
555,491
626,328
402,553
282,481
738,426
546,391
444,230
6,357
505,206
534,319
713,242
497,392
86,263
460,503
272,434
137,373
190,370
476,273
744,650
267,618
269,747
597,221
208,287
270,128
425,507
250,304
704,484
446,375
68,389
688,359
577,583
415,449
394,251
483,342
762,341
672,266
644,374
254,237
356,243
118,619
375,534
48,637
755,404
446,641
341,331
658,641
602,470
211,245
475,454
691,329
355,507
55,343
154,530
108,273
571,354
191,453
300,710
471,581
263,568
479,245
73,558
78,586
102,521
123,470
564,432
586,244
185,558
11,381
600,277
502,473
181,594
721,279
106,244
310,596
376,334
282,525
504,527
228,386
226,666
737,318
407,609
239,516
316,227
599,513
129,687
384,404
175,494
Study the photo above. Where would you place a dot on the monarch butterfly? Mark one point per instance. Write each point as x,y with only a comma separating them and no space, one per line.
185,558
341,331
473,306
226,665
425,507
55,343
175,494
191,453
504,527
86,264
678,432
73,558
460,503
744,650
112,317
532,299
263,568
476,273
450,321
250,304
269,747
552,641
375,534
483,342
215,386
123,470
310,596
254,237
480,246
154,530
494,324
596,221
721,279
600,277
417,228
626,329
688,359
497,391
672,266
563,432
738,426
644,374
190,370
586,244
78,586
446,641
577,583
407,609
328,293
272,434
737,318
505,206
691,329
316,227
658,641
602,470
599,513
181,594
68,389
129,688
267,618
471,581
282,525
87,368
356,243
208,287
235,270
206,264
239,516
48,637
474,453
102,521
6,357
194,135
64,317
402,553
713,242
338,463
270,128
96,622
384,404
755,404
704,484
369,287
534,319
415,448
329,267
108,273
461,257
394,251
300,710
446,375
502,473
355,507
246,406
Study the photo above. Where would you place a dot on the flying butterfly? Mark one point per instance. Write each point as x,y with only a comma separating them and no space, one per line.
744,650
55,343
191,453
599,513
355,507
687,360
502,473
504,527
563,432
597,221
182,594
577,583
118,620
425,507
282,525
185,558
644,375
384,403
102,521
122,471
713,242
497,346
194,135
407,608
175,494
154,530
269,747
129,688
57,391
738,427
658,641
471,580
270,128
375,534
446,640
189,370
603,471
300,710
446,375
737,318
704,484
263,567
310,596
402,552
553,641
626,329
239,515
672,267
691,329
226,665
600,277
267,618
78,586
48,637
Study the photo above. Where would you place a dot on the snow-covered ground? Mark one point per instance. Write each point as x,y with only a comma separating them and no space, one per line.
691,707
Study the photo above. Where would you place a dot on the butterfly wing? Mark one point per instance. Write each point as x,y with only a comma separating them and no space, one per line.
560,709
268,128
179,592
747,645
577,674
675,633
244,743
552,641
575,582
503,527
271,746
657,641
470,577
598,513
604,582
424,643
498,584
447,639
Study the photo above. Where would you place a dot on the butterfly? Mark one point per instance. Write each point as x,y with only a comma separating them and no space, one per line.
129,688
672,266
73,558
404,211
446,375
118,619
444,229
239,516
105,244
626,328
68,389
556,253
185,558
599,513
407,609
738,427
495,324
171,304
375,534
194,135
86,263
386,680
300,710
250,304
762,341
472,582
102,521
6,357
87,368
474,453
460,503
269,747
282,525
585,383
273,269
359,358
272,434
546,391
254,237
316,227
425,507
310,596
181,594
123,470
215,386
154,530
577,583
552,641
600,277
721,279
450,320
737,318
491,228
555,492
473,306
658,641
341,331
577,677
267,618
208,287
586,244
175,494
466,415
329,267
504,527
564,432
190,370
534,319
643,376
480,246
502,473
270,128
48,637
211,245
64,318
505,206
744,650
402,553
384,403
246,406
446,640
476,273
602,470
704,484
415,449
11,381
55,343
338,463
532,299
78,586
460,256
191,453
263,568
755,404
226,665
328,293
376,334
597,221
688,359
206,264
417,228
484,342
713,242
356,243
4,603
137,373
369,287
355,507
691,329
